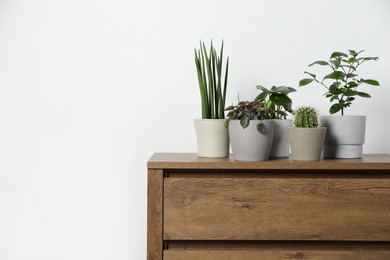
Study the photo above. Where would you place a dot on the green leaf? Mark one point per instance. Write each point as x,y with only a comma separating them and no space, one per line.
371,82
352,84
350,93
338,54
352,60
336,63
351,75
280,99
261,96
353,53
244,122
290,89
280,89
304,82
262,88
320,62
337,75
311,74
334,90
363,94
335,108
229,108
369,58
261,128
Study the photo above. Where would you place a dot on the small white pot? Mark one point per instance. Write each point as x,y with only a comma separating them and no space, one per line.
345,136
212,138
249,144
280,143
306,143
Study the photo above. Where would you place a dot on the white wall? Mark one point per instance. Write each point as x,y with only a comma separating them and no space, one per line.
90,89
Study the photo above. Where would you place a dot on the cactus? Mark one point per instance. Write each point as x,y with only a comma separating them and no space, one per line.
306,117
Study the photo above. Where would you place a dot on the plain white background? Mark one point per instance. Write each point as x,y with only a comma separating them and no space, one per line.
90,89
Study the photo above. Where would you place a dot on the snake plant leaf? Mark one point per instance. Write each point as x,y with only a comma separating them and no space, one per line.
304,82
371,82
320,62
337,75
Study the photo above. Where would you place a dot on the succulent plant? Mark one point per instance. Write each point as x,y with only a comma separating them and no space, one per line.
246,111
211,84
306,117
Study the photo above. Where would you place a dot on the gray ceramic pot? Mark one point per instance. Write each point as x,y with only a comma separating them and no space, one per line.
249,144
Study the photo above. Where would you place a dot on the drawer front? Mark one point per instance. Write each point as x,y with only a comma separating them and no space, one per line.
270,255
277,209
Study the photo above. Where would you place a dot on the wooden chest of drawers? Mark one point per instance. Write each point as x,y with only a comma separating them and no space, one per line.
203,208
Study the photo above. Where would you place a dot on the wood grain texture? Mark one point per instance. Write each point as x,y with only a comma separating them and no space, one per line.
275,255
155,215
192,161
277,209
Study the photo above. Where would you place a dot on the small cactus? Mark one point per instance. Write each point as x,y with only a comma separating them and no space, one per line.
306,117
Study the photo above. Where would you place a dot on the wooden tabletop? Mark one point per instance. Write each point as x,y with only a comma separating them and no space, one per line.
192,161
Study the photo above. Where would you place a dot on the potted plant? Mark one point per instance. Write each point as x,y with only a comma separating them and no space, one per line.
345,134
212,136
279,105
249,130
306,138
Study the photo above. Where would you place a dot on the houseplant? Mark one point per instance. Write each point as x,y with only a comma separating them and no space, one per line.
249,130
212,136
306,138
279,105
345,134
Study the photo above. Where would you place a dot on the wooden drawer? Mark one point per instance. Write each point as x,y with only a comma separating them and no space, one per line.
274,255
276,208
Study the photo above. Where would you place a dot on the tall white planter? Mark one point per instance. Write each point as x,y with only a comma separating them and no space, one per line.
212,138
249,144
280,143
345,136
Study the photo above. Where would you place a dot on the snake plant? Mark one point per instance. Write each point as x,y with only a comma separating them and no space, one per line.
212,82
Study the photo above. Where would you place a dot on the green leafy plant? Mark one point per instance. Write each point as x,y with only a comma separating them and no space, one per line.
342,90
211,84
306,117
276,100
246,111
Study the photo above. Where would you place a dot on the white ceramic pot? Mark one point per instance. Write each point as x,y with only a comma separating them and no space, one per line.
249,144
345,136
280,143
306,143
212,138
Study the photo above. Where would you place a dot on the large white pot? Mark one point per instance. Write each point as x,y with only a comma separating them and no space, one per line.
249,144
212,138
280,143
345,136
306,143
